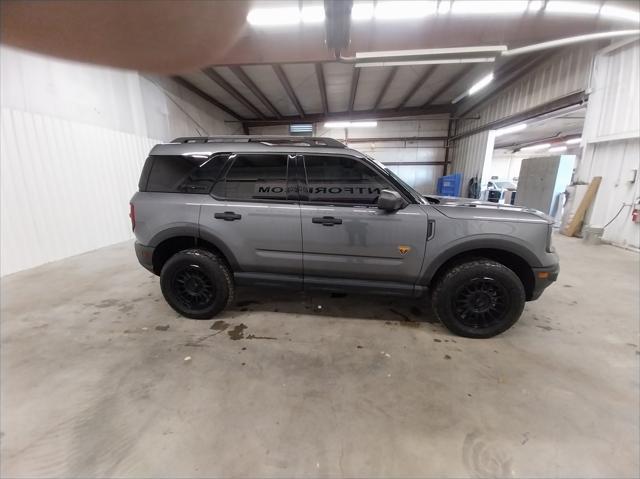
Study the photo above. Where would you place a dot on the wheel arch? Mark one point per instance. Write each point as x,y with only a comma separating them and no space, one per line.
513,256
172,240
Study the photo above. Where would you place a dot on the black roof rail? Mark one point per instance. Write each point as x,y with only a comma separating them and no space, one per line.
265,139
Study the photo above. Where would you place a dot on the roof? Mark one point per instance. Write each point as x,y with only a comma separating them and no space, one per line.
252,143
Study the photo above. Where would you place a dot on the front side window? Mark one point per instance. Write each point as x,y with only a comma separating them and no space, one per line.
254,177
339,179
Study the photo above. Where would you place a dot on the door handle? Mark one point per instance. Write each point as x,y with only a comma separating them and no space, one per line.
326,220
227,216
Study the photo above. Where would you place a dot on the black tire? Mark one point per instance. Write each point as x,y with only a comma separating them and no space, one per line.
196,283
478,299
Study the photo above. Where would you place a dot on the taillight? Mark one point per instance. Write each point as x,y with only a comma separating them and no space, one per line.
132,215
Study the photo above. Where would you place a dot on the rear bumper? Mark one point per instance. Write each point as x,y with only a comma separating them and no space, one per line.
543,277
145,256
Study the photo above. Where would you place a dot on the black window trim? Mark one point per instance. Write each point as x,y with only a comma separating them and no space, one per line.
229,162
367,163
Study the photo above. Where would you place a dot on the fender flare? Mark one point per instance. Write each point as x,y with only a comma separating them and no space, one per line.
486,242
193,230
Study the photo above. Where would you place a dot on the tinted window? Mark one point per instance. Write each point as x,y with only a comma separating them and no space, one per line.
183,174
258,177
334,179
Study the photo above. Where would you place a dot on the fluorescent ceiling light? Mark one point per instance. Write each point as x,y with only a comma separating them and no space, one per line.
557,148
444,6
351,124
510,129
274,16
401,9
573,141
483,82
620,13
432,51
568,41
312,14
442,61
541,146
535,5
301,128
489,7
574,8
362,11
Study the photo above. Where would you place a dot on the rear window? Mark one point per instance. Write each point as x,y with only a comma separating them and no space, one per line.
181,174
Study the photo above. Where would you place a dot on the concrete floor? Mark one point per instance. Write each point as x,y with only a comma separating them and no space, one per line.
95,381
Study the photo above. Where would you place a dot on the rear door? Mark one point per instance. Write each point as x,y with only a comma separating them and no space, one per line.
345,234
252,214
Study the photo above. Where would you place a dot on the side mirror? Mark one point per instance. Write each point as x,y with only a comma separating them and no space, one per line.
390,200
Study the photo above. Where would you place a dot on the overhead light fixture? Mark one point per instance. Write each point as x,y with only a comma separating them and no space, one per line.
351,124
483,82
556,149
574,8
402,10
568,41
274,16
442,61
620,13
510,129
541,146
431,56
535,5
444,6
489,7
573,141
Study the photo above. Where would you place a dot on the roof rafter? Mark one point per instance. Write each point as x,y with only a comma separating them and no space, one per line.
225,85
205,96
282,76
385,86
253,88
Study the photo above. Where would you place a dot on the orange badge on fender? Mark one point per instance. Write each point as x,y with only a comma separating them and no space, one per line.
404,249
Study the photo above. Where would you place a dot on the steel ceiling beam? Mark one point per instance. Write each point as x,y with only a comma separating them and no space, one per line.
323,87
217,78
385,86
284,81
448,85
356,115
205,96
566,101
417,85
354,87
253,88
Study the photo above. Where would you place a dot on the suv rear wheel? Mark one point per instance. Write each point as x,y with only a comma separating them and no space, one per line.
196,283
478,299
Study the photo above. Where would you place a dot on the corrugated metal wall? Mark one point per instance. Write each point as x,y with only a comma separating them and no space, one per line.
73,140
612,138
565,72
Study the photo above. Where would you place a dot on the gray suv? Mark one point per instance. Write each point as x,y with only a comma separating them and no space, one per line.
309,213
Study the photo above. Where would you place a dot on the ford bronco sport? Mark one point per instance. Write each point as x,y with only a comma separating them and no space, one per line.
309,213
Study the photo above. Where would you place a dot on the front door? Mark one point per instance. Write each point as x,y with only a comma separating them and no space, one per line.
252,216
345,235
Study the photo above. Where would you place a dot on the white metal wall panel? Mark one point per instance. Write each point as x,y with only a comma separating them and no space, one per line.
614,103
469,155
566,71
613,161
70,161
612,137
65,187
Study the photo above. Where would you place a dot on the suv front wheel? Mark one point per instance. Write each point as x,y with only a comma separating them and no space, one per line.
478,299
196,283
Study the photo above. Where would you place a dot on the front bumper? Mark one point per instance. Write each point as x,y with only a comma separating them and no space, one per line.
145,255
543,277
